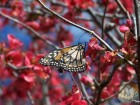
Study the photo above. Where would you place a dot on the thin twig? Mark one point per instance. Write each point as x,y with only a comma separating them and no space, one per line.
85,29
103,20
102,36
126,13
135,27
15,68
98,22
107,15
29,28
95,81
30,97
95,12
83,19
73,79
98,95
104,84
107,81
84,90
45,89
76,25
16,75
55,2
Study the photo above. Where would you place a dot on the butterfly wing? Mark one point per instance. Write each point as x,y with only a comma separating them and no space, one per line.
73,60
69,58
53,58
49,60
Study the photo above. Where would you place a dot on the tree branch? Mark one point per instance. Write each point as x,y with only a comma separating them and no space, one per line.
46,99
16,75
84,90
85,29
102,36
95,13
105,83
107,15
73,79
76,25
18,68
30,29
31,98
111,37
123,9
95,81
55,2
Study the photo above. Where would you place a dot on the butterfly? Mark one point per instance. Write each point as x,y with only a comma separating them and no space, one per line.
69,59
129,93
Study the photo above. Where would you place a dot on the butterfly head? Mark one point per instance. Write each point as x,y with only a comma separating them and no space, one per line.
80,46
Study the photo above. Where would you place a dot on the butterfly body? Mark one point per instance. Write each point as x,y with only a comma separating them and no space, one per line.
70,58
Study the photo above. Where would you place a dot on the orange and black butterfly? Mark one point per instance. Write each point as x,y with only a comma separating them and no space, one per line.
70,59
